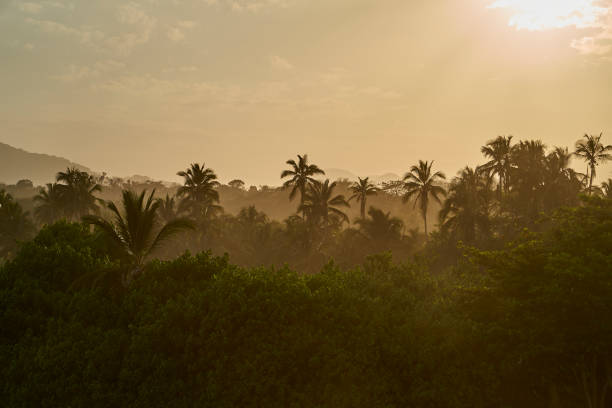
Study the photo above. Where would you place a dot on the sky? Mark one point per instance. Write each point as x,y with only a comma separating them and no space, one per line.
370,86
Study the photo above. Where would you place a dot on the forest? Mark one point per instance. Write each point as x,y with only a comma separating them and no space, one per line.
492,288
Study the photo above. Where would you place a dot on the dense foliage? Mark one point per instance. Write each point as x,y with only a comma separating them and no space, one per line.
527,325
506,303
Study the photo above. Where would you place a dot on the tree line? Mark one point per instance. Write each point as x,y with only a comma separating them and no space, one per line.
518,182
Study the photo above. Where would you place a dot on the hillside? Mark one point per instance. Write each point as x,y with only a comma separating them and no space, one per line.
17,164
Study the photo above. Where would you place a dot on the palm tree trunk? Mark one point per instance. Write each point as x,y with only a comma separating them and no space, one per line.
587,177
591,179
363,206
425,222
302,189
507,182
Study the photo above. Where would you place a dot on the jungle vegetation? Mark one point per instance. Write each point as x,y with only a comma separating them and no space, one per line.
498,293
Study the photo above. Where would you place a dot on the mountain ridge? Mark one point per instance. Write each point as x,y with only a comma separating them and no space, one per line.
18,164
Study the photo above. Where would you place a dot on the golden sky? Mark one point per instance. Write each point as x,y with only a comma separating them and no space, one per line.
371,86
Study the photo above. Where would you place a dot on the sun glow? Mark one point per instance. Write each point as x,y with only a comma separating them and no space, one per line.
549,14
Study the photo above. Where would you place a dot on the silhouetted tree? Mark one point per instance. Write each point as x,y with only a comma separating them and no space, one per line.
527,178
15,224
466,209
592,151
77,192
420,184
301,176
238,184
25,183
137,231
393,187
380,227
499,151
561,183
51,204
321,206
199,192
361,190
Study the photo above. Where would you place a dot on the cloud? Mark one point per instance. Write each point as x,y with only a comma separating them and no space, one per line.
84,36
592,15
184,69
249,5
280,63
600,45
32,8
183,96
75,73
177,33
187,24
131,15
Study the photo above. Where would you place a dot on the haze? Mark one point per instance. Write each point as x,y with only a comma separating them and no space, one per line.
370,86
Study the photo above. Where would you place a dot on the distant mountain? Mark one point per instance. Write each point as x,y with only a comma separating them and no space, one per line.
17,164
339,174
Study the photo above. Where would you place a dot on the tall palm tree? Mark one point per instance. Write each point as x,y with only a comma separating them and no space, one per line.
420,184
51,203
499,152
137,231
199,190
321,206
77,192
301,176
466,208
591,150
361,190
380,226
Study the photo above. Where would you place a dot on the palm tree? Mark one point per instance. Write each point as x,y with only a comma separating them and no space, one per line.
499,152
591,150
466,209
562,184
380,226
527,178
199,190
361,190
78,192
50,206
606,188
420,183
321,205
137,231
301,174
